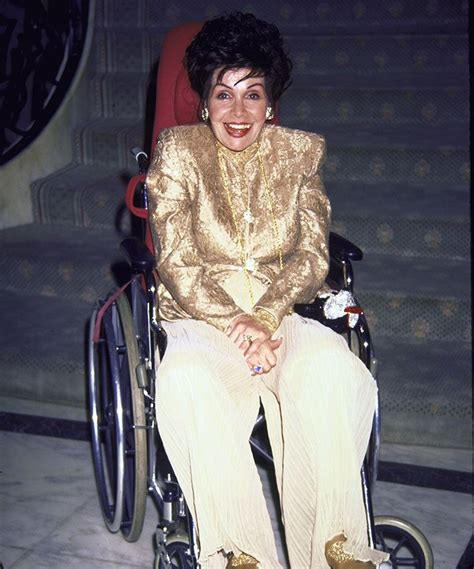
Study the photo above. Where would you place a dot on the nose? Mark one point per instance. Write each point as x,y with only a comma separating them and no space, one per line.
238,107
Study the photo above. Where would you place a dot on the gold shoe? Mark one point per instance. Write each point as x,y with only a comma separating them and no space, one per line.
337,558
243,561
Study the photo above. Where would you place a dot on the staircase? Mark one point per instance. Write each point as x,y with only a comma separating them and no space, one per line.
387,83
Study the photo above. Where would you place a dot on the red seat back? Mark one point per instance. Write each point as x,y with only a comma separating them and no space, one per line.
176,102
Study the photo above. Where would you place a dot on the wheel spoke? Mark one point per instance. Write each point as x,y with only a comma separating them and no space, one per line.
399,545
407,562
381,541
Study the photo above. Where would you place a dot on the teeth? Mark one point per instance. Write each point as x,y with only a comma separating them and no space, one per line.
239,126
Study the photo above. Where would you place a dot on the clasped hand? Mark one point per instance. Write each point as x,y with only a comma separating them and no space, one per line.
255,341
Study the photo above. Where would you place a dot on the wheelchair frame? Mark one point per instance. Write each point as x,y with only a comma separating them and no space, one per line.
125,344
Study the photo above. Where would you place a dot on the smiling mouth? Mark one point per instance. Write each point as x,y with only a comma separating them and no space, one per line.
237,130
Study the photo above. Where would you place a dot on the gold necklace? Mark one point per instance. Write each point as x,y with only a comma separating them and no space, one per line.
248,264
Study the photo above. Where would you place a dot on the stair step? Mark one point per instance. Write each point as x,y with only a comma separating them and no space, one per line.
398,200
376,55
357,105
447,140
121,95
107,142
425,390
60,261
16,405
420,277
402,221
331,17
120,49
405,236
415,298
120,11
411,82
443,318
379,159
337,16
80,195
43,354
315,56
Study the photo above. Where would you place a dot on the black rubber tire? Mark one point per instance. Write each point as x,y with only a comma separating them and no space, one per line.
117,408
136,482
407,545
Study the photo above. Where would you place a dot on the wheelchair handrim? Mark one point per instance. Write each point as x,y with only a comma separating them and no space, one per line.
112,511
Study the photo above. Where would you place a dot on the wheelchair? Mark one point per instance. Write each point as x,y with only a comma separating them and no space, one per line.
126,343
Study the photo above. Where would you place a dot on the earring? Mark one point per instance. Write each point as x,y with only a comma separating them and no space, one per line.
204,114
269,114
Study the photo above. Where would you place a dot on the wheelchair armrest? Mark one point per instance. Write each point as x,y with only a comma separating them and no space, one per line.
336,274
138,255
342,249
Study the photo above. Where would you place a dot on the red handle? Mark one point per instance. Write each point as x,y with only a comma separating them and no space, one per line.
131,189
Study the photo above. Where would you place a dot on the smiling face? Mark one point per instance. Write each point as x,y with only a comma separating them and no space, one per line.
237,108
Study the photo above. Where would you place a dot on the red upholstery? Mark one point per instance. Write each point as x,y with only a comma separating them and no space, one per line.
176,102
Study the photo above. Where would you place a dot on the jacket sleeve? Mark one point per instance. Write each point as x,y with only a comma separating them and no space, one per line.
181,266
306,268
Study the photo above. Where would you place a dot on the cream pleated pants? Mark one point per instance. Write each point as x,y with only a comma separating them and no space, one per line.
319,402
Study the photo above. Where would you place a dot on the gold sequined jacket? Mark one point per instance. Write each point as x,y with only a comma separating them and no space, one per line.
192,218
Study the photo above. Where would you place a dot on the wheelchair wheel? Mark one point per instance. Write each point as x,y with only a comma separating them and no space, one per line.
118,421
405,543
177,549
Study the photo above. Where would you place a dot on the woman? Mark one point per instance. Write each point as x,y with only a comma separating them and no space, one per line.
241,217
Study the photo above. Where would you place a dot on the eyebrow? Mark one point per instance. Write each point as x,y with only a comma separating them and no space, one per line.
249,87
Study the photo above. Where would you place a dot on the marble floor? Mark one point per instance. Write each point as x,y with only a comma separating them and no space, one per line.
50,515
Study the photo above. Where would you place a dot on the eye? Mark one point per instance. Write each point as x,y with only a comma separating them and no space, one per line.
254,95
223,95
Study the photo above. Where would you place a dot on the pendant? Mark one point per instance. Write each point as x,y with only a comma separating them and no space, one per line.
248,217
251,265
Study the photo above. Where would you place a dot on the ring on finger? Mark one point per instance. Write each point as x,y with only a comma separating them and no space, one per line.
257,368
248,338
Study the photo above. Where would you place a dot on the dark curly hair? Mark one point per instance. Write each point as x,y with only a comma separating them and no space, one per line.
235,41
